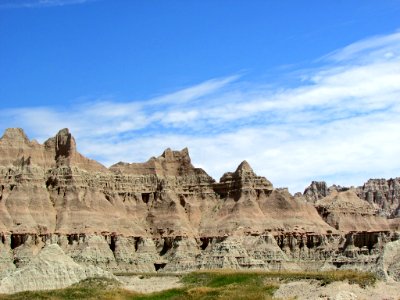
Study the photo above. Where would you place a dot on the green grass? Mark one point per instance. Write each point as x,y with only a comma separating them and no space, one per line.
168,294
224,277
201,285
94,288
353,277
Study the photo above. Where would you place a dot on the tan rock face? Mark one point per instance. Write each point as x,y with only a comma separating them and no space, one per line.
170,163
17,149
167,215
346,211
249,204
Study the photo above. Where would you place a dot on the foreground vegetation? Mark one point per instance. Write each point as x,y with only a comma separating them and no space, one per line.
200,285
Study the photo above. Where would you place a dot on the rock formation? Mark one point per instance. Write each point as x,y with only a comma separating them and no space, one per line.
167,215
345,211
50,269
383,194
389,262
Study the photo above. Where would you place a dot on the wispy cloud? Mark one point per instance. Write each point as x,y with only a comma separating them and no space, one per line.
339,123
376,47
39,3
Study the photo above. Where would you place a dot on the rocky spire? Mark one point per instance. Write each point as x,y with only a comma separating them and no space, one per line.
244,169
63,147
64,144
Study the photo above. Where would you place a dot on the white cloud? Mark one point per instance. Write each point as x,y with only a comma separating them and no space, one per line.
339,125
195,92
373,48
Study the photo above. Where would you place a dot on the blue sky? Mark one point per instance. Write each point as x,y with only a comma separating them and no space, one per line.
303,90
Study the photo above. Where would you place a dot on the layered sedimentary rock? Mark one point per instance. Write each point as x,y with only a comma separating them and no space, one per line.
382,194
167,215
371,207
346,211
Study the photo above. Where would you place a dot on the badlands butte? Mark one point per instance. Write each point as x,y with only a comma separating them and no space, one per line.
165,215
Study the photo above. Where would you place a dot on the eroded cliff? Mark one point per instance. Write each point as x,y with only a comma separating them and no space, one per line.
167,215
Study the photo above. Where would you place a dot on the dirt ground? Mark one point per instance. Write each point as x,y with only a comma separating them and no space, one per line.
301,290
311,289
148,284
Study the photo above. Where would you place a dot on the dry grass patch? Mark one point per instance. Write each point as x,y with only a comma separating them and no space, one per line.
201,285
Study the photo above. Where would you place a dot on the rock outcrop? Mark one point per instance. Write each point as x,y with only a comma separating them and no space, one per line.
346,211
166,215
389,262
383,194
316,191
50,269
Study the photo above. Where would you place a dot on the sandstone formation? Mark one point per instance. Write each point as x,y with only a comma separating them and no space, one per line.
166,215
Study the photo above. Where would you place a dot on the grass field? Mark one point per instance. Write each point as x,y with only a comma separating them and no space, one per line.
219,284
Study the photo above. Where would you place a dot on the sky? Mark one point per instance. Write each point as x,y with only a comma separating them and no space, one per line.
302,90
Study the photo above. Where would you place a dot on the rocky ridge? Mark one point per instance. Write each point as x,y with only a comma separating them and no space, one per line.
167,215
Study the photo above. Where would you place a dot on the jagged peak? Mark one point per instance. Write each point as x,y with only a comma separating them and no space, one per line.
171,155
15,134
245,174
166,152
316,182
64,131
169,163
315,191
60,134
244,166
